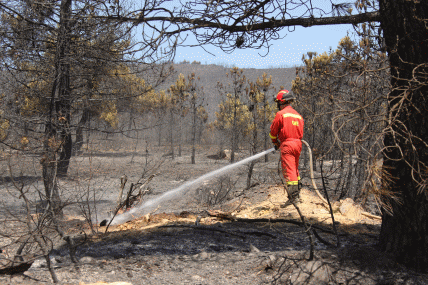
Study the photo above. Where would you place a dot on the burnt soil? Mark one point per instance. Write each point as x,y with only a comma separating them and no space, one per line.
245,239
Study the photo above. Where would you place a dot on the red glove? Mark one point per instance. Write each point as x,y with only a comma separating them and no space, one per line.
276,143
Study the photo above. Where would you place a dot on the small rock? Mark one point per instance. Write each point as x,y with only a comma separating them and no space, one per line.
203,255
41,263
38,263
197,277
272,258
269,261
216,247
59,259
254,249
87,259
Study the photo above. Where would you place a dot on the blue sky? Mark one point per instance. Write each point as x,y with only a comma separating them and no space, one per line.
286,52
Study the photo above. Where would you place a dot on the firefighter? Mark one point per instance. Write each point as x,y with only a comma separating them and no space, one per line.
286,133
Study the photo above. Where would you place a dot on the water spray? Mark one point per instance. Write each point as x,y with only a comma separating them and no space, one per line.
151,204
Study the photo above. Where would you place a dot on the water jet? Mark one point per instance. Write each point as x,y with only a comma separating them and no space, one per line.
150,205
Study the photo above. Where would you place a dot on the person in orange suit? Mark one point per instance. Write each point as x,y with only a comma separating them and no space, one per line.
286,132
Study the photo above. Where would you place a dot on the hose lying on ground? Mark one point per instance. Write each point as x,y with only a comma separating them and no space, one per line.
316,188
312,173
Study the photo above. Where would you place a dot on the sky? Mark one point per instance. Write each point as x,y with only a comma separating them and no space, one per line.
286,52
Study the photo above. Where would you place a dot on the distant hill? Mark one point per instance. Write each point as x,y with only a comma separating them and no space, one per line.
211,74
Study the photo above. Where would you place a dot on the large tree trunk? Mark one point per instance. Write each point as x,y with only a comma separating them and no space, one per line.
62,91
58,137
405,231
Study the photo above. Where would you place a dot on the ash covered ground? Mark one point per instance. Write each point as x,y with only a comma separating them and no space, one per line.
216,233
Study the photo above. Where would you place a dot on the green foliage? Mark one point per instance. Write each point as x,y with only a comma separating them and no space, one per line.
149,101
180,94
95,75
259,98
109,114
4,123
233,115
262,112
202,114
185,96
28,99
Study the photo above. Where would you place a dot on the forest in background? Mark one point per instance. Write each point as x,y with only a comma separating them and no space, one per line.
198,107
70,75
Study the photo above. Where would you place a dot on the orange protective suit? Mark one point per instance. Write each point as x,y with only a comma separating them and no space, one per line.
287,127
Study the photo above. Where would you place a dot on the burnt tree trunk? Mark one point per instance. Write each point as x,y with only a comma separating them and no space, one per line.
171,131
65,151
194,119
57,145
79,131
405,231
266,129
254,145
160,127
180,131
61,90
234,138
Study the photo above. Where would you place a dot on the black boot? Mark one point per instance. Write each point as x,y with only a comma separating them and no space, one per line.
293,196
294,193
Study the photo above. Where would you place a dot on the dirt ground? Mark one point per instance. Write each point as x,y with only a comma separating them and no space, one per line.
246,239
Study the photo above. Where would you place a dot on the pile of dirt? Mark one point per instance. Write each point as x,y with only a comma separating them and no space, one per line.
345,211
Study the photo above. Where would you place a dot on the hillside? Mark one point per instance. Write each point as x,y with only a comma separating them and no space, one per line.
210,75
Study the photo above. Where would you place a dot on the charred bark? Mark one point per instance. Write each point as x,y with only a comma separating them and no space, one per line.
194,109
404,229
77,146
65,153
57,131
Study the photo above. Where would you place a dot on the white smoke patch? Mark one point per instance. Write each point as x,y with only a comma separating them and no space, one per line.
151,204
